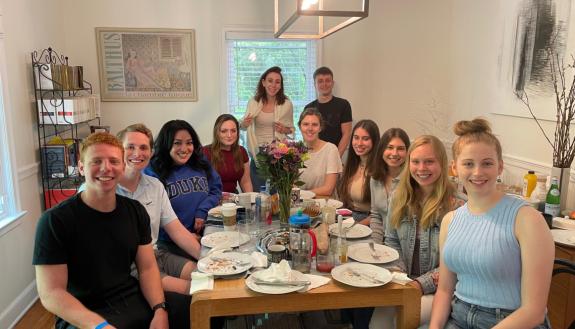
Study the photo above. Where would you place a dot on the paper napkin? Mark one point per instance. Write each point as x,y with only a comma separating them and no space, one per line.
201,281
316,281
400,277
276,272
259,259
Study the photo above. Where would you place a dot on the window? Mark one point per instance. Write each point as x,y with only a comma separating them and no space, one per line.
248,55
7,202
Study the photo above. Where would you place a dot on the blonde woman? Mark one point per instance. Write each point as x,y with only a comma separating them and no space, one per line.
423,196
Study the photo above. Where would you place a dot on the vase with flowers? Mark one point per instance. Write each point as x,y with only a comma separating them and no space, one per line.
563,81
280,161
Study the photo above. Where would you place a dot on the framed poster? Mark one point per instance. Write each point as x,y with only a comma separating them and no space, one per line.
147,64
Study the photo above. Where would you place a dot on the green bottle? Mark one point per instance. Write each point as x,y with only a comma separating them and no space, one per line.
553,199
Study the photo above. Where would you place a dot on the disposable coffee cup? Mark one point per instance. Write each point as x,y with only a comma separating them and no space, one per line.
229,213
295,195
276,253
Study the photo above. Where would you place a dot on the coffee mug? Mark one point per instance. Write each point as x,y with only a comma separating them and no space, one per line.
276,252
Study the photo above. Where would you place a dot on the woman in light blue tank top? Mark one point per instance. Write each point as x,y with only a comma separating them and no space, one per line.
496,252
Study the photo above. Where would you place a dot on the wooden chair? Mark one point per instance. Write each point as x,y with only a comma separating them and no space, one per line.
565,266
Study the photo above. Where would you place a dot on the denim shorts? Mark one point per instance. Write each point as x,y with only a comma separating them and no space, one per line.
469,316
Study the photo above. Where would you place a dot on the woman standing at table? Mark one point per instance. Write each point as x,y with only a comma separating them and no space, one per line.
192,184
269,116
230,159
324,164
392,149
354,189
422,197
497,252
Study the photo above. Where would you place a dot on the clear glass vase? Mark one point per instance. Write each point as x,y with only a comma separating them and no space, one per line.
284,193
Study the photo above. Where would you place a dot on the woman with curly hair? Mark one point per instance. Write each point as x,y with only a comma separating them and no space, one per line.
193,186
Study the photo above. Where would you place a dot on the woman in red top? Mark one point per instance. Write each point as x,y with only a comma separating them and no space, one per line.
229,159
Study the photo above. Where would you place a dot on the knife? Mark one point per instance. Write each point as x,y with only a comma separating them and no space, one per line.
233,261
281,283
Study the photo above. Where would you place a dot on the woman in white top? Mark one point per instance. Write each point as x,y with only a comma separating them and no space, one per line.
269,116
324,164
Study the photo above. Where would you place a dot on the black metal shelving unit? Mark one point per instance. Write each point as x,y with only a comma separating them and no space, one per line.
58,162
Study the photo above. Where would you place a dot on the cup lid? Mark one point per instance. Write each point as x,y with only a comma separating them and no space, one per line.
299,219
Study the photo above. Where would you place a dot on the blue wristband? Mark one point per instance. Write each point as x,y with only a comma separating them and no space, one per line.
102,325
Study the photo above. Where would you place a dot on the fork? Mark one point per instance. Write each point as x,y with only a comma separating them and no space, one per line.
373,251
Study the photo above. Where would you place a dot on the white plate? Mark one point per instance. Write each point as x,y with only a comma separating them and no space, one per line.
276,290
566,237
215,212
331,202
305,195
362,253
343,274
228,263
251,194
356,232
224,238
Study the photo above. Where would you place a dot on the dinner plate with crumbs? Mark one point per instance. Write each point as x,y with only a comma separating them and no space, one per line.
276,289
223,264
361,275
362,253
357,232
564,237
230,239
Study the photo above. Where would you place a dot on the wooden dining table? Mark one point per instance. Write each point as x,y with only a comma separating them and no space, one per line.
233,297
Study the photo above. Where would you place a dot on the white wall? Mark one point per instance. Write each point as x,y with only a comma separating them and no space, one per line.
207,18
28,25
394,65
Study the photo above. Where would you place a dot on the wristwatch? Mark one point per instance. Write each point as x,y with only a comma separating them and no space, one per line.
163,305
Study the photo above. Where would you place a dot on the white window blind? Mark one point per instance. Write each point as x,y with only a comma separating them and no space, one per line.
250,54
7,203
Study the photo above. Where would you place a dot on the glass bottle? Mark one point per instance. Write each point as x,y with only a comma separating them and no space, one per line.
553,199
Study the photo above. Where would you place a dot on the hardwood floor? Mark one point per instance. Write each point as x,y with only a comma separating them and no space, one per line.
36,318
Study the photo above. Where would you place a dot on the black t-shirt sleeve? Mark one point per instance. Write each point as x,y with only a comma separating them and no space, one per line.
143,224
346,112
50,241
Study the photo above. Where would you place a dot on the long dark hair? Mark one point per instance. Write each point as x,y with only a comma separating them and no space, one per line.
161,161
261,90
380,168
353,162
217,159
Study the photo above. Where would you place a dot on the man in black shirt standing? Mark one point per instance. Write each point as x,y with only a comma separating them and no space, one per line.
336,112
84,248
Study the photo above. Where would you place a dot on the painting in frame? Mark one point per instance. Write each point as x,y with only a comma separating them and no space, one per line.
139,64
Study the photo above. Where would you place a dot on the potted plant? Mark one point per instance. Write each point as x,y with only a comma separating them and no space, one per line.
563,145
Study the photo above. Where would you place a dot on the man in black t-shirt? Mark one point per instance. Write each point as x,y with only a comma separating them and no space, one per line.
336,112
85,246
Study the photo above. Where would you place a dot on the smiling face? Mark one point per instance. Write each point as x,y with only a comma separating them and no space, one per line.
395,153
137,151
228,133
310,127
424,166
182,147
361,142
477,166
102,166
324,84
272,83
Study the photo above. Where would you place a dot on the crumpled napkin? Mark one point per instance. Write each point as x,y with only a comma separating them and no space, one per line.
400,277
201,281
276,272
316,281
348,220
259,259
